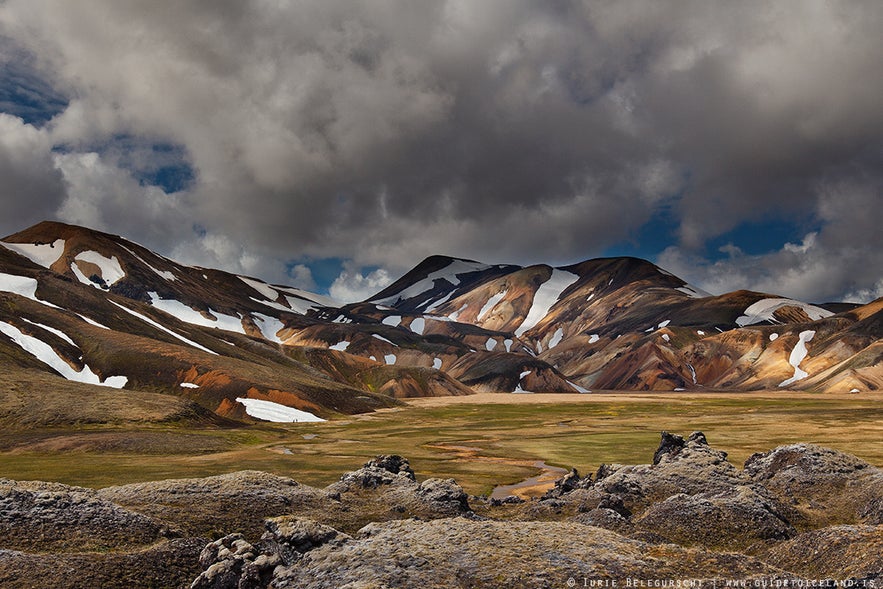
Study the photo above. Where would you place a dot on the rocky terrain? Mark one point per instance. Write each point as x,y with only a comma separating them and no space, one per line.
106,313
795,512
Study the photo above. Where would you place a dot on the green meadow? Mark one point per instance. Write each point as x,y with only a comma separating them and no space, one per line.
482,442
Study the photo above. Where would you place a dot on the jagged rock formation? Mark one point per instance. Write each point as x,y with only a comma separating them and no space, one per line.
688,514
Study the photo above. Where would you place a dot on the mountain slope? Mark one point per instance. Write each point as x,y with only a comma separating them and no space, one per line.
623,323
98,309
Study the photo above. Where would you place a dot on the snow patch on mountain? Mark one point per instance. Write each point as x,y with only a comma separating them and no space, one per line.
797,355
269,326
150,321
92,322
265,289
764,309
271,304
43,254
437,363
392,320
693,291
161,273
304,297
188,385
491,303
594,338
389,358
276,412
187,315
456,314
45,354
383,339
692,373
449,273
111,271
81,277
578,388
340,346
490,344
22,286
546,296
298,305
774,337
418,325
57,332
433,306
556,337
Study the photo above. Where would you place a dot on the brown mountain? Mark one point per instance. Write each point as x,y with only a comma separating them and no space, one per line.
99,309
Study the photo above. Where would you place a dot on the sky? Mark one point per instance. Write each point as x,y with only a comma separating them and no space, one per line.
333,145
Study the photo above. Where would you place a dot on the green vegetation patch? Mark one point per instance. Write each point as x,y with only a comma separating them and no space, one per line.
481,445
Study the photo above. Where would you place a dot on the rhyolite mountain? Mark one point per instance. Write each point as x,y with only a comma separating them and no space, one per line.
99,309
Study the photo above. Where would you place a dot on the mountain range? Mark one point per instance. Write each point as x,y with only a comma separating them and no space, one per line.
97,309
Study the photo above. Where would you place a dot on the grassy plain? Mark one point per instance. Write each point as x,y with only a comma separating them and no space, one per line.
482,440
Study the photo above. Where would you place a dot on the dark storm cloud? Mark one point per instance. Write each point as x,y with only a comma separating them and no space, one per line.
509,131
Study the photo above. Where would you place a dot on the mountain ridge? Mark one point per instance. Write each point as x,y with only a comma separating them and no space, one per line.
98,304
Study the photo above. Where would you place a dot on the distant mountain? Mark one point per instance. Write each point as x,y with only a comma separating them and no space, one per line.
99,309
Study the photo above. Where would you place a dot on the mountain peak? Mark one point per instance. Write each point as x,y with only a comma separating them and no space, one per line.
49,231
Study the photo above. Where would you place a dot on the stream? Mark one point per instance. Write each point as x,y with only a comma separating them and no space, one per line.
535,485
541,482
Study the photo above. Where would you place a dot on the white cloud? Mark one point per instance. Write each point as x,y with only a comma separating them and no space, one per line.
353,285
511,131
32,187
809,271
301,276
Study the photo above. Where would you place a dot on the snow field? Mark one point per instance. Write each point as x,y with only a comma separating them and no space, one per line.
797,355
491,303
276,412
45,354
111,271
546,296
764,309
44,254
150,321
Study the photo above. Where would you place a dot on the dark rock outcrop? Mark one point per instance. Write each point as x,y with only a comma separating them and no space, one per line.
233,563
461,552
383,470
825,486
52,517
736,520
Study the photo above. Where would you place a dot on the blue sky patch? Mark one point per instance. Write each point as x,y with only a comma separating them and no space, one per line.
26,95
757,238
654,236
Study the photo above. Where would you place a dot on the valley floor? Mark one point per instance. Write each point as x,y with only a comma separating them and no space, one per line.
506,435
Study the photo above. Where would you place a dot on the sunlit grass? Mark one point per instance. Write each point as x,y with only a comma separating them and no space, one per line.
622,429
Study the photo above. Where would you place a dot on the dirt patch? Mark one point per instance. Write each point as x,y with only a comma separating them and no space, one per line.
626,397
158,443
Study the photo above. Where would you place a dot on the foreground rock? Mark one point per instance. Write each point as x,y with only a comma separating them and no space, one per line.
210,506
824,485
838,552
40,516
457,552
171,563
798,511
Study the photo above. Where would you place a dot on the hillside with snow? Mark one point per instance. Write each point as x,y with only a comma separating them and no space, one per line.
97,309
